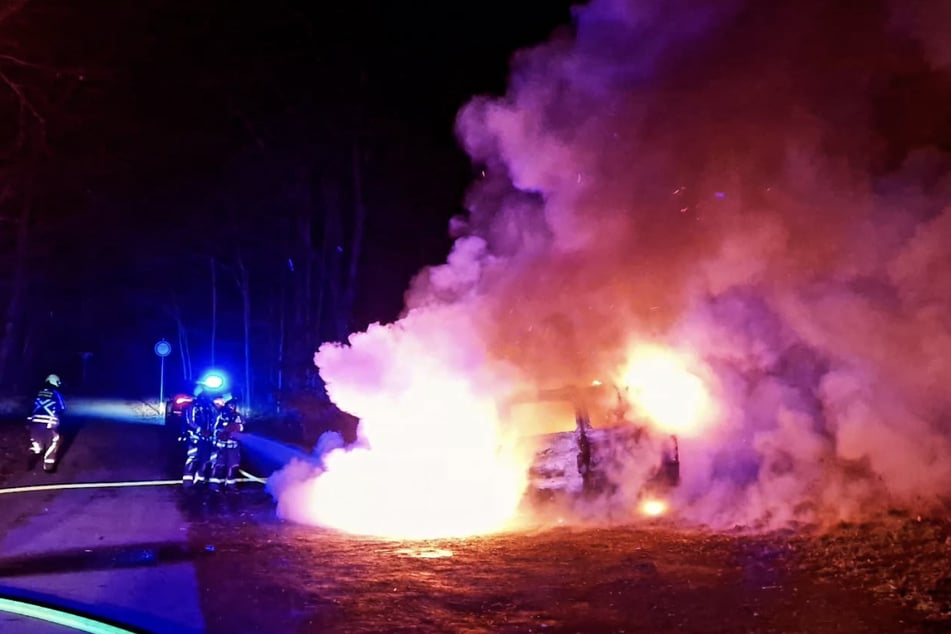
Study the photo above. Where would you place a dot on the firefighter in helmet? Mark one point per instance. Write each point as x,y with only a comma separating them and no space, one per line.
43,423
226,454
198,420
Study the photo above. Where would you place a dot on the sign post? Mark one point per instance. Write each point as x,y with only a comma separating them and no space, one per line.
162,350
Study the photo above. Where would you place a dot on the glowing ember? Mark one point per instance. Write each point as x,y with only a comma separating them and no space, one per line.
425,553
662,387
653,508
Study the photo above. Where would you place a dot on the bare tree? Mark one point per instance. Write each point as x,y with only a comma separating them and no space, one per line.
281,335
213,266
22,151
344,312
173,309
244,288
328,291
15,303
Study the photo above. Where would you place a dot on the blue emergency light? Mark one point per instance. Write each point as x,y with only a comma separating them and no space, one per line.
213,381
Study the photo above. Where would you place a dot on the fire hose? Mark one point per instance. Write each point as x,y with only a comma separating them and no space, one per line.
247,477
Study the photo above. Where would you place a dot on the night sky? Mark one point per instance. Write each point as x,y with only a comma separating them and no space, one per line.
143,141
175,130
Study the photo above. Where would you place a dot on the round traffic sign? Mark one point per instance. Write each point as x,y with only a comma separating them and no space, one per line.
163,348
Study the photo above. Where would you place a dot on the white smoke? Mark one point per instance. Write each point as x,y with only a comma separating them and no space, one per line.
718,177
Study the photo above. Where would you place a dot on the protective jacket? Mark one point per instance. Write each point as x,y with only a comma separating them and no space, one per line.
44,421
48,406
226,455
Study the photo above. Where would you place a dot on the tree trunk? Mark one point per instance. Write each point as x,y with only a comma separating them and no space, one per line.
244,288
329,292
26,349
214,306
356,244
173,309
14,315
184,352
306,304
282,328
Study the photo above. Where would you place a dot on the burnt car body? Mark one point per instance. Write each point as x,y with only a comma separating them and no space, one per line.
595,447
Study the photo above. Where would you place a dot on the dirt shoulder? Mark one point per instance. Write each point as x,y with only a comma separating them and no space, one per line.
899,557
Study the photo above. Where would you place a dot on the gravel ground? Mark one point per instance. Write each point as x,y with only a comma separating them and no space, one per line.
898,557
635,579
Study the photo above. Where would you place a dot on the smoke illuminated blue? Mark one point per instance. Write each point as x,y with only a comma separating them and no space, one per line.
119,410
271,454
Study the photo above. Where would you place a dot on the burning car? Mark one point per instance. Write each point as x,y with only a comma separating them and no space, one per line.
586,443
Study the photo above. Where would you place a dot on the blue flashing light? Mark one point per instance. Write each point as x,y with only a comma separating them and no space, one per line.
213,381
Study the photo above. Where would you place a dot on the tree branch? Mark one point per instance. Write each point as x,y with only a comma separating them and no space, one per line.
58,71
12,7
249,127
26,106
6,57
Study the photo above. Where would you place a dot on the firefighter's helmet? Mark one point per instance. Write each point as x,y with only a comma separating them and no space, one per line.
54,380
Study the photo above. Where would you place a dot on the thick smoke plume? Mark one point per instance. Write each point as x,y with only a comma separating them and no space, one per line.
762,184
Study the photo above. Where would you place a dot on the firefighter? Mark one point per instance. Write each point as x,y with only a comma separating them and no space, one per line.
197,426
226,454
43,423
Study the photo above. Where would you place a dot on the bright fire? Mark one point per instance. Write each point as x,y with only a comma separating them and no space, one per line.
653,507
438,472
662,387
432,461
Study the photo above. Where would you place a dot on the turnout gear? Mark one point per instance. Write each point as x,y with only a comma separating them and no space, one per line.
43,423
198,422
226,453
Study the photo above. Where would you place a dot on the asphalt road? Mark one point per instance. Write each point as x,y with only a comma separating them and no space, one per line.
167,560
95,550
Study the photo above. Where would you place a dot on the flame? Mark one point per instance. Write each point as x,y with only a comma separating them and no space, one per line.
661,386
431,461
440,473
653,507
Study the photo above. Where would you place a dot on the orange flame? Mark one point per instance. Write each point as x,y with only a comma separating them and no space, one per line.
432,460
653,507
662,387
